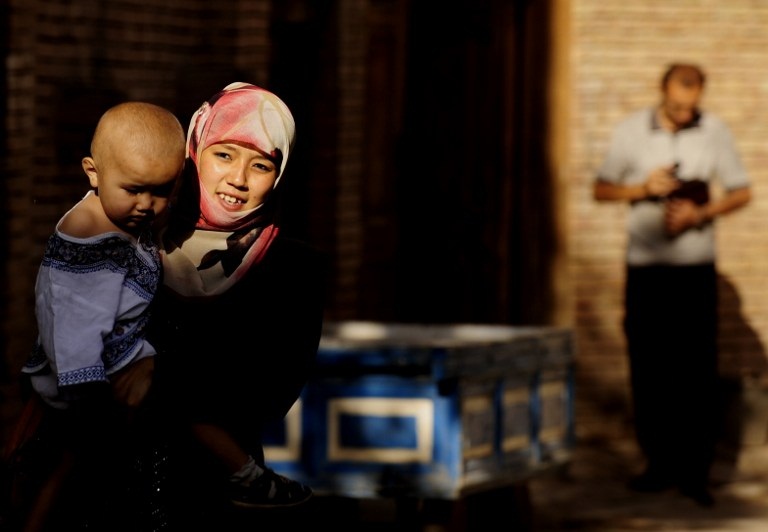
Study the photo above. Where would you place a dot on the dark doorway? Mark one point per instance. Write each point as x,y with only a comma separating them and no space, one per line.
474,198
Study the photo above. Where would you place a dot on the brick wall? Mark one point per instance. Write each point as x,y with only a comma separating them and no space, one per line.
352,54
618,51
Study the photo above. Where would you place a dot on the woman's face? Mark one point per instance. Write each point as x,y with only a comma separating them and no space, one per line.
237,178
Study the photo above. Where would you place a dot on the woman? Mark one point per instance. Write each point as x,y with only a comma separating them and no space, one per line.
238,321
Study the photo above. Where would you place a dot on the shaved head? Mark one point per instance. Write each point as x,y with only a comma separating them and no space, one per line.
134,129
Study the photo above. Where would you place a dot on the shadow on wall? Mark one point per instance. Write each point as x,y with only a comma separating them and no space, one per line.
742,353
743,366
603,401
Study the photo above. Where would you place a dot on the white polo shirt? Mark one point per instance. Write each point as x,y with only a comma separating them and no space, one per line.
704,150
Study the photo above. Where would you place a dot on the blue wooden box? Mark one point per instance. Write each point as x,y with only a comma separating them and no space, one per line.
432,411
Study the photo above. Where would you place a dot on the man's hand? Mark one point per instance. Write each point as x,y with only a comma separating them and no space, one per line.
661,182
131,384
681,215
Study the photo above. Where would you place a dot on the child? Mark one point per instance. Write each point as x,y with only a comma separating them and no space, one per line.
101,266
92,365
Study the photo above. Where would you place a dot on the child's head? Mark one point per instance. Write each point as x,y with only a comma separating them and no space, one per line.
137,153
240,141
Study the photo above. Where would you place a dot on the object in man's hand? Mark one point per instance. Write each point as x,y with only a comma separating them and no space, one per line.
695,190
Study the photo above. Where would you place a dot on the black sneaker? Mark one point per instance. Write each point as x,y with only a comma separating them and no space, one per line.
270,490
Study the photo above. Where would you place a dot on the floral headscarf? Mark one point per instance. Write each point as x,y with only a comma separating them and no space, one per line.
222,246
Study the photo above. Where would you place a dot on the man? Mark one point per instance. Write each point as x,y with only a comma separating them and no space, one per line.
663,160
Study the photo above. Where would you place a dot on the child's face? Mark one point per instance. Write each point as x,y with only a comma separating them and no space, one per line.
237,178
133,192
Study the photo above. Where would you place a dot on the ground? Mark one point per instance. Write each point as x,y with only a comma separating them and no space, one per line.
590,494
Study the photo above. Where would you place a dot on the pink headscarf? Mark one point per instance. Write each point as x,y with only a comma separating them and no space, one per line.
223,245
249,116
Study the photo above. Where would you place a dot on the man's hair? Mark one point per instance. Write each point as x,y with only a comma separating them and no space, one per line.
688,74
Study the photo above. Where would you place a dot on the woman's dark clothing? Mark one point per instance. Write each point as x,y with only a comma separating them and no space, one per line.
236,360
244,356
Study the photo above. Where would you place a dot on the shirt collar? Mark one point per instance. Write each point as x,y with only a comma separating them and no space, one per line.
696,122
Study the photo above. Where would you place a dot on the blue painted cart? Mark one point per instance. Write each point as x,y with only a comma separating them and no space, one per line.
429,411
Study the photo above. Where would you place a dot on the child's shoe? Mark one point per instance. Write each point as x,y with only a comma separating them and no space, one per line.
269,490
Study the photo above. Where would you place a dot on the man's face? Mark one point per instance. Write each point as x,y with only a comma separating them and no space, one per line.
681,102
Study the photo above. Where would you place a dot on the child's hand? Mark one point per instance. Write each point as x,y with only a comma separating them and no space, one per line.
131,384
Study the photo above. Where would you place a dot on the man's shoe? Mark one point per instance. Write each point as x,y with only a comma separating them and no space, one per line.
649,483
699,494
270,490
